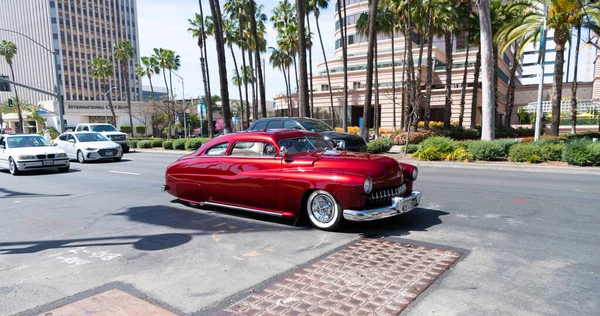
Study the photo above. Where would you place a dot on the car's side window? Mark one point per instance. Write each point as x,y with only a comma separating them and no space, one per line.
70,137
2,141
85,128
260,125
63,137
253,149
275,124
217,150
288,124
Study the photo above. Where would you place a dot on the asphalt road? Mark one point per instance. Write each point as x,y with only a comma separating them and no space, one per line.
531,241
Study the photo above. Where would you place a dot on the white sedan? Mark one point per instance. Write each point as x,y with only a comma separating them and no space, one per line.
85,146
30,152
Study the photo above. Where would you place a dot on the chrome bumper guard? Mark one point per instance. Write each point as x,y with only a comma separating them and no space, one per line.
400,205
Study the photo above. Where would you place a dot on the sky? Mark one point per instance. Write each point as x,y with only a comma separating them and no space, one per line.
165,23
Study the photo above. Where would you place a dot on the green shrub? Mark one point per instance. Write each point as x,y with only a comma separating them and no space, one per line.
524,151
429,154
381,145
460,133
194,143
460,154
533,159
444,145
582,152
550,151
487,151
157,142
463,144
583,135
179,144
125,129
506,144
167,144
133,143
144,144
140,129
412,148
53,132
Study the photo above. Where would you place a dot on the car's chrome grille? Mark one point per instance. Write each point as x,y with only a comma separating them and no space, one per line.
50,156
40,156
384,196
117,137
104,152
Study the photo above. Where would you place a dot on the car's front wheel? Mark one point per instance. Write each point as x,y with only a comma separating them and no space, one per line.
324,212
12,167
64,169
125,149
80,156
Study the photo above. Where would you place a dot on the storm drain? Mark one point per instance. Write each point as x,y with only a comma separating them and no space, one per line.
369,277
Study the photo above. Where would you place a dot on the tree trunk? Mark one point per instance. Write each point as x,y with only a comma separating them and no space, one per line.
21,128
290,102
257,88
171,82
574,86
166,84
376,105
448,103
403,104
311,90
127,86
244,78
558,79
248,105
206,77
496,75
487,119
463,91
110,105
287,90
393,83
215,9
475,89
237,73
510,95
327,69
303,89
345,61
410,72
261,83
369,83
429,79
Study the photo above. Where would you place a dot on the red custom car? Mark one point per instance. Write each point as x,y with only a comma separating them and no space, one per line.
288,172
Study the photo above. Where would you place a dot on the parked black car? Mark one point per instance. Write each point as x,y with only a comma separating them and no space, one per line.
346,141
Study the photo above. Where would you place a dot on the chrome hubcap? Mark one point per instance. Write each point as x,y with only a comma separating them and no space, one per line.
80,156
322,208
11,166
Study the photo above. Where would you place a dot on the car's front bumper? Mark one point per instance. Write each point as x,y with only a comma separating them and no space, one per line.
96,155
400,205
42,164
123,143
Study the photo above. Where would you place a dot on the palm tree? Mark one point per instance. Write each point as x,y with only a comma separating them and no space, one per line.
317,6
370,57
343,29
230,38
209,29
253,25
284,20
487,117
448,20
469,19
124,52
8,49
101,69
198,30
149,67
161,55
238,81
562,16
173,63
279,59
237,11
431,31
303,91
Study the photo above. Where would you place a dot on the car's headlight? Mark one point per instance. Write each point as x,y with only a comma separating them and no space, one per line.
91,149
26,157
415,173
368,185
61,155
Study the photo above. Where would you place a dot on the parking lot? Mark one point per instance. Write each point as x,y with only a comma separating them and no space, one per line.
529,241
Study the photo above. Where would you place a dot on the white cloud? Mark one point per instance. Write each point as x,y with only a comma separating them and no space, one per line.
165,23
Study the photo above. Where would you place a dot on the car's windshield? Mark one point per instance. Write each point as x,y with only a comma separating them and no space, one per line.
315,126
27,141
304,144
103,128
91,137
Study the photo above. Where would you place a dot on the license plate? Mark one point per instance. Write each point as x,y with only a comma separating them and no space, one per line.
409,205
48,163
109,153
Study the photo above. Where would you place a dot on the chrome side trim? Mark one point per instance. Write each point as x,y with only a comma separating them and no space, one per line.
240,208
396,208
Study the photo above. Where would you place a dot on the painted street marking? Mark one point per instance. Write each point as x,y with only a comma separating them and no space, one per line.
252,254
519,201
123,172
103,255
238,258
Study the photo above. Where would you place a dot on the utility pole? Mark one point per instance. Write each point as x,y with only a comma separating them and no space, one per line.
541,60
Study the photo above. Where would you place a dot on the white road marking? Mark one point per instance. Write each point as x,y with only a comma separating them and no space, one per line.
123,172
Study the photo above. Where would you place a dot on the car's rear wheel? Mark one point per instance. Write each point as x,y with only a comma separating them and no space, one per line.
12,167
324,212
80,156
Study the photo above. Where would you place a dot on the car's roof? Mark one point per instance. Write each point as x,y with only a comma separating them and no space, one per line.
287,118
262,135
81,132
12,135
94,124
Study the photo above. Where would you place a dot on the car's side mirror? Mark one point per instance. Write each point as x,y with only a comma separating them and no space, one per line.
72,141
283,151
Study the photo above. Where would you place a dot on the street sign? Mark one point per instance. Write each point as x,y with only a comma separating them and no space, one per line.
8,130
235,119
41,112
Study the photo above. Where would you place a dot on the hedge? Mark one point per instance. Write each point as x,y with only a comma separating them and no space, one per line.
133,143
157,142
193,143
144,144
583,135
506,144
525,152
412,148
486,151
179,144
125,129
381,145
140,129
444,145
582,152
167,144
551,151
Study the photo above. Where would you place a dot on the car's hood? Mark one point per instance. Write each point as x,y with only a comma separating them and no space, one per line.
382,170
339,135
36,150
99,145
112,133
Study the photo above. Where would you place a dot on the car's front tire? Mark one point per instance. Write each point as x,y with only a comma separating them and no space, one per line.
80,156
323,211
125,149
64,169
12,167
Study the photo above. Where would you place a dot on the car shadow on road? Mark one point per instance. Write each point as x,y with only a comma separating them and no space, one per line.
30,173
420,219
6,193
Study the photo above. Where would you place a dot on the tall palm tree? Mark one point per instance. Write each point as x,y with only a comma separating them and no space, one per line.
370,58
316,7
279,59
173,63
471,33
303,84
238,81
343,35
237,11
254,16
449,22
209,29
433,28
487,117
124,52
101,69
199,30
230,37
161,55
8,49
150,68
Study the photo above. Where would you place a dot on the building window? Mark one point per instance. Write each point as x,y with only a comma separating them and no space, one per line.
324,87
356,85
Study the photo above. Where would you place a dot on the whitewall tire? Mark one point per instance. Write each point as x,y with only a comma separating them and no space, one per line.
323,211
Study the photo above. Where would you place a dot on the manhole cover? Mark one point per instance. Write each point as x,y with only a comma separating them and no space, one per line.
369,277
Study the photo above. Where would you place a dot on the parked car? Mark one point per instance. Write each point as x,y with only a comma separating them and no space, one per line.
30,152
346,141
287,173
107,130
85,146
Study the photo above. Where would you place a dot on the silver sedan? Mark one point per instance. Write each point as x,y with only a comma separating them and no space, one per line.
85,146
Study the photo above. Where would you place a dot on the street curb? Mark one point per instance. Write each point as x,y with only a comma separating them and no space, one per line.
162,151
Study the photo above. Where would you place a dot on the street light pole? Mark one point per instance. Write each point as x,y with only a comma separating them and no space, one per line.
185,131
541,60
57,89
